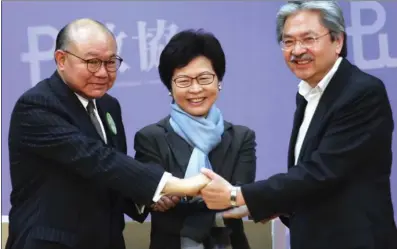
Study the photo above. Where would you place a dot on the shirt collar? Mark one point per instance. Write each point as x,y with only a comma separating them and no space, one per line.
305,89
84,101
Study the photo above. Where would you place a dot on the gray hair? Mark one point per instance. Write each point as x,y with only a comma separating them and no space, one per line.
331,16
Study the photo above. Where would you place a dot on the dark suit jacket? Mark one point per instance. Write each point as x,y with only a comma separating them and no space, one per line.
234,159
338,194
69,187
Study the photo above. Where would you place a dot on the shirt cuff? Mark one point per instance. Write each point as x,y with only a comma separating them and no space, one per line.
140,208
219,220
164,179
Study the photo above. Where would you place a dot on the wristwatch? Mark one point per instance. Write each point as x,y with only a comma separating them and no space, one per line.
233,196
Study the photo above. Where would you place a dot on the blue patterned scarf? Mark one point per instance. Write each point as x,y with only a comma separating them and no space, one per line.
203,134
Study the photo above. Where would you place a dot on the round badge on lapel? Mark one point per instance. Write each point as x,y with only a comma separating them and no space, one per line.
111,123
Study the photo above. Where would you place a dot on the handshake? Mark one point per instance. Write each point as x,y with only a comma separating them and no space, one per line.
214,190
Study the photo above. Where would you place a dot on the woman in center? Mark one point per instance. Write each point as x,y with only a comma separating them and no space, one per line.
195,135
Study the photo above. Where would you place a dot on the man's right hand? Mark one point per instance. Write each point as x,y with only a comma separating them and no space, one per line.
165,203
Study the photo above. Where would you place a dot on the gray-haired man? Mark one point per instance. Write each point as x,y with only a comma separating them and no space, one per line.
336,193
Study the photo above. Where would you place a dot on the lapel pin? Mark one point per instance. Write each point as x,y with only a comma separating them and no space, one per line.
111,123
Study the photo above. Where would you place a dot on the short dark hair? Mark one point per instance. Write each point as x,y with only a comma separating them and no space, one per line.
186,45
62,39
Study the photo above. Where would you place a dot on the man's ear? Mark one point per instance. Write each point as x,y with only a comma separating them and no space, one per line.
60,57
339,43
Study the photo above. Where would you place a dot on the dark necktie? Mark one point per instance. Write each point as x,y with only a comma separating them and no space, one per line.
94,119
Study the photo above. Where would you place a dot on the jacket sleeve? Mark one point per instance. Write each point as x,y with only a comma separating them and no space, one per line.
39,128
146,152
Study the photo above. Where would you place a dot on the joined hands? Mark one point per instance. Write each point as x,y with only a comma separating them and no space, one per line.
208,185
214,190
211,187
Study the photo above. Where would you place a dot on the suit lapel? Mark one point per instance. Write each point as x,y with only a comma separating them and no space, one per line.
180,149
102,110
301,104
73,105
333,90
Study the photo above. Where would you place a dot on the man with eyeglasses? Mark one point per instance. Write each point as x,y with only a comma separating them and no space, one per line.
71,179
336,192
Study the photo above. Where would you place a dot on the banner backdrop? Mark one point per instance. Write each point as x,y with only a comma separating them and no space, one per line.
258,89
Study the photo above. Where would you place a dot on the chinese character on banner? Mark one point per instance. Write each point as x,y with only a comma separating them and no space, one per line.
359,32
151,42
120,36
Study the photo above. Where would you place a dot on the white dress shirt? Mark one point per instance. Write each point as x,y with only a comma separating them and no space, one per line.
312,96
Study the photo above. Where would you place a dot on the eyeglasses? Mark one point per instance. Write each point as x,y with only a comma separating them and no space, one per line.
93,65
186,81
308,42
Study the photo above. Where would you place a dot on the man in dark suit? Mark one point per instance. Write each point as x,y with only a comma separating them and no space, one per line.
336,193
72,180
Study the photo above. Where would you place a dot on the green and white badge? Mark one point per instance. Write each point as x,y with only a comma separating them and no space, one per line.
111,123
